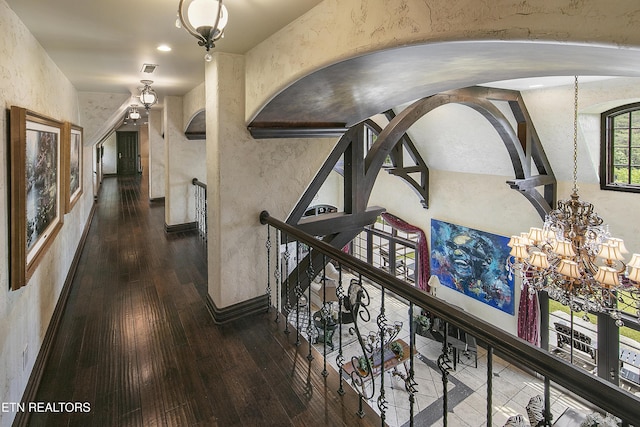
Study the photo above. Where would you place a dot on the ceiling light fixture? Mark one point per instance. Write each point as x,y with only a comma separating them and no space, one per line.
574,258
206,20
148,96
164,48
134,114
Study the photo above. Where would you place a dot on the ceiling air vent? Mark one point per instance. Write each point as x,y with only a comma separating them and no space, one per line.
148,68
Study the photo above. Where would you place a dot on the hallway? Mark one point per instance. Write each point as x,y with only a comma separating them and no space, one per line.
138,346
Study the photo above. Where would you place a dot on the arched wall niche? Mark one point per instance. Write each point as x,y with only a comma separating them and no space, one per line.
196,128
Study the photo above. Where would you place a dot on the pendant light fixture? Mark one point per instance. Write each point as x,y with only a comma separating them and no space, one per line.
148,96
206,20
134,114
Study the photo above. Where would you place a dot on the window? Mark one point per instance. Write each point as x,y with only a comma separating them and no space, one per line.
620,153
370,138
389,249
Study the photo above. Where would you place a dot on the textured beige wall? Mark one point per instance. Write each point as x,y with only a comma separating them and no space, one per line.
28,78
339,29
184,160
483,202
143,143
100,112
246,176
156,155
110,156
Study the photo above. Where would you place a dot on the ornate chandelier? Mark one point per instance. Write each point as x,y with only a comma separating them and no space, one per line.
574,258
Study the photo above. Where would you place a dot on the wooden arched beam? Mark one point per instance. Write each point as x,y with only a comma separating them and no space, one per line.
406,171
340,228
360,171
521,147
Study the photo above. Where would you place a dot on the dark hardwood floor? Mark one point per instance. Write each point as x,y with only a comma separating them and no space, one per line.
139,346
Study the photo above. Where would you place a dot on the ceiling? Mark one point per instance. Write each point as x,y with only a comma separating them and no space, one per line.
101,46
347,92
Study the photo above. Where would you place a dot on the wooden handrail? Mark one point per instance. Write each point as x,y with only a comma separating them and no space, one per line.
603,394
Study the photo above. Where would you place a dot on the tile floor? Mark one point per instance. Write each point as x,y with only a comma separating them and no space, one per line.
512,387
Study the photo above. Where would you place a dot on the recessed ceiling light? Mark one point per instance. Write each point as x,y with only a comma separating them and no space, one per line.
164,48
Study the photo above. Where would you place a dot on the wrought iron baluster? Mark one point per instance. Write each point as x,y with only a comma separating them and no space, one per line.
547,402
196,195
299,293
382,326
310,275
203,213
205,225
325,314
200,196
287,305
444,364
362,366
410,384
277,273
268,246
340,357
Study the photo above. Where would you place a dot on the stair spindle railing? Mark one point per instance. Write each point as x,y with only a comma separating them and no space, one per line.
200,195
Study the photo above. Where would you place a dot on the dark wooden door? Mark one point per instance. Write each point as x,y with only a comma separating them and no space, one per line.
127,152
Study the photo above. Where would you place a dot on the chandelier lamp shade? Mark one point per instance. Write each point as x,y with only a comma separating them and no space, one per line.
575,259
148,96
206,21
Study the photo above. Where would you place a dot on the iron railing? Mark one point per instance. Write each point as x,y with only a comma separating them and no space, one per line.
200,195
354,306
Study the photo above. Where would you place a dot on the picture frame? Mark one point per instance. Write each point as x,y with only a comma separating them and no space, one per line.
36,199
73,140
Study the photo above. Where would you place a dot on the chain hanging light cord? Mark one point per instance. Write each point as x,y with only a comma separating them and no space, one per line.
575,135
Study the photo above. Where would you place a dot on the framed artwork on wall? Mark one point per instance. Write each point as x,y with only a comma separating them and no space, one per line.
472,262
36,199
72,164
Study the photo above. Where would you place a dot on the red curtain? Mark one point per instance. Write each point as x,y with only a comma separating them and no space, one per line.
422,262
529,316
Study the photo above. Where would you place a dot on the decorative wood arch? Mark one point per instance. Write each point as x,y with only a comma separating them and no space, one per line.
523,147
361,171
405,171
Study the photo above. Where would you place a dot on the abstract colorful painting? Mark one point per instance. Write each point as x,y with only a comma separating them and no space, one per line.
472,262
